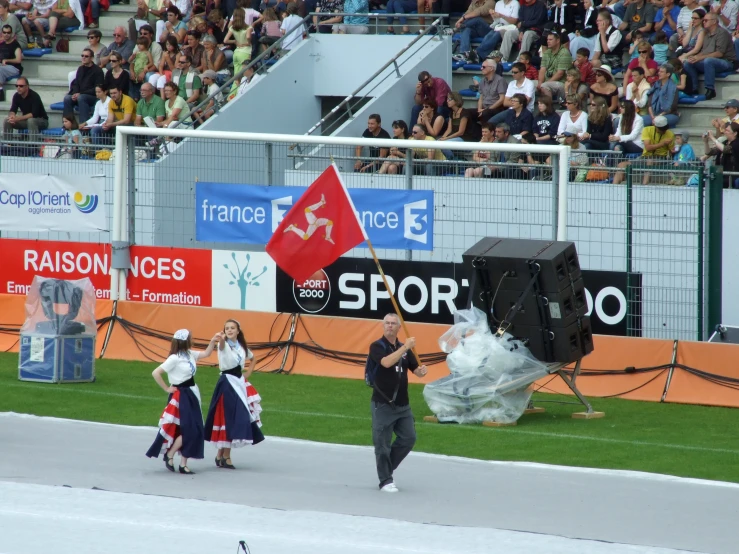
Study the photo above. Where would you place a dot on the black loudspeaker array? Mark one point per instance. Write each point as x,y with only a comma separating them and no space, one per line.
534,290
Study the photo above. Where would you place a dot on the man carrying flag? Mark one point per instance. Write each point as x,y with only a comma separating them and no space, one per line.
302,244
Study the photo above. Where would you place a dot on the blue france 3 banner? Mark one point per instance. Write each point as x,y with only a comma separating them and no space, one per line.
249,214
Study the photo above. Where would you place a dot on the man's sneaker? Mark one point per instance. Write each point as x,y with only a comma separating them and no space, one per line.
460,57
710,93
390,487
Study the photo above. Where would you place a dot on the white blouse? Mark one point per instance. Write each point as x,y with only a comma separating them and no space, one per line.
233,355
181,367
100,114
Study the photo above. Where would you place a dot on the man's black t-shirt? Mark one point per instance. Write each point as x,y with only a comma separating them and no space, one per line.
7,52
383,134
387,377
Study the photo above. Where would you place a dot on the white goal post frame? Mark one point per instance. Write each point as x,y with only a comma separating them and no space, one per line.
119,233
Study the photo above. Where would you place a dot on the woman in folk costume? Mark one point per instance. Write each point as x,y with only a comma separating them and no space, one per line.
233,417
181,424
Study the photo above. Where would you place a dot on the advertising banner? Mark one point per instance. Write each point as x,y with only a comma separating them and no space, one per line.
32,202
249,214
429,292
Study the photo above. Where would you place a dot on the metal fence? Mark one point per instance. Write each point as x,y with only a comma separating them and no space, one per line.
624,215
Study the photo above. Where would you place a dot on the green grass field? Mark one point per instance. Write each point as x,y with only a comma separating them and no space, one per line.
687,441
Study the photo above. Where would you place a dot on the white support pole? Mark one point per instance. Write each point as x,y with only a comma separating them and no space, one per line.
564,179
118,276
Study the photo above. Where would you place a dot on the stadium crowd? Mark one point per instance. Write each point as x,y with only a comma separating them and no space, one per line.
561,57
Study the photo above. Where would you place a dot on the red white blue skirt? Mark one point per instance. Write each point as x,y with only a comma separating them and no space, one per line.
233,418
181,417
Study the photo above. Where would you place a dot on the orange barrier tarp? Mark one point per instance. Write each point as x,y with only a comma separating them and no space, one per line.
719,359
617,353
355,336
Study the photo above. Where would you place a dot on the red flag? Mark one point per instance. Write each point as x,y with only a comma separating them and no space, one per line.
320,227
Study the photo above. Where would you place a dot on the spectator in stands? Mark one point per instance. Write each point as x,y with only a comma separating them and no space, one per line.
150,105
141,63
429,154
573,117
167,65
731,108
476,23
325,24
429,119
727,153
546,122
121,111
94,36
248,80
531,73
82,91
659,48
354,24
638,91
683,155
172,26
292,27
562,18
213,94
554,63
33,115
518,118
716,56
692,40
149,12
666,18
643,60
176,109
532,16
571,138
402,7
215,60
395,157
658,144
573,85
7,18
374,130
423,6
583,65
99,116
663,98
680,78
64,14
460,126
270,32
587,35
599,127
11,57
684,23
72,134
482,156
726,11
39,18
239,36
503,136
218,27
20,8
196,50
430,87
639,16
121,45
519,85
117,77
147,31
187,80
627,136
608,46
605,88
492,92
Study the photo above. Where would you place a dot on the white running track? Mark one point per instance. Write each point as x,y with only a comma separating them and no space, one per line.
76,487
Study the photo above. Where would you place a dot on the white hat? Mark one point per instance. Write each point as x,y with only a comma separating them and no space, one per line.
182,334
605,69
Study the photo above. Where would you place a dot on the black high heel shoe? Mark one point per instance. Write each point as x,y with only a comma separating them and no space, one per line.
224,463
218,461
186,470
169,463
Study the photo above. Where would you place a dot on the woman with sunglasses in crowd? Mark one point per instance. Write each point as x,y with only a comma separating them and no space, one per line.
394,165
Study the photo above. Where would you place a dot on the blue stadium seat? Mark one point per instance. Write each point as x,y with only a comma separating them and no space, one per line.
70,29
57,106
468,93
723,75
456,38
473,67
457,65
506,66
36,52
53,132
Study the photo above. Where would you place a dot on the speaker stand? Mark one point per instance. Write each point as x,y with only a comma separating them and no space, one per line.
571,382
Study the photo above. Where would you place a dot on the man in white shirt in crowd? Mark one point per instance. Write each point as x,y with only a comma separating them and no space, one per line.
292,27
519,85
727,11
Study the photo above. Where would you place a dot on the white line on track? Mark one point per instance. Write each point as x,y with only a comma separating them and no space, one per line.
648,444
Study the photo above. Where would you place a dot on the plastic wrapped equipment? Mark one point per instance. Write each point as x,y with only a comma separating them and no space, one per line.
58,307
490,376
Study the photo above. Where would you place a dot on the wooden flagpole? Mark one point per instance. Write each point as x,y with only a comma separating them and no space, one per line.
377,263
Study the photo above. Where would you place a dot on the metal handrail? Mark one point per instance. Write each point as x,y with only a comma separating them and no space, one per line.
436,25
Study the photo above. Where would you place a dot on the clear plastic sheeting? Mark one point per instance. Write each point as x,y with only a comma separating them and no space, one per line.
59,307
490,376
